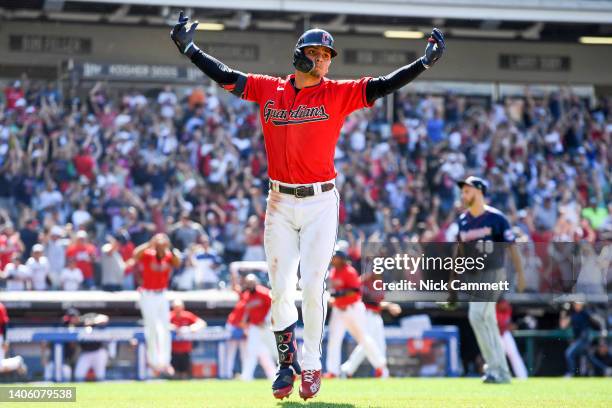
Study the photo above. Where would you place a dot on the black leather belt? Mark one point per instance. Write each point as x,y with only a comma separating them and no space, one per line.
302,191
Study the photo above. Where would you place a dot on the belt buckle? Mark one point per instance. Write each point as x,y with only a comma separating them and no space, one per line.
298,192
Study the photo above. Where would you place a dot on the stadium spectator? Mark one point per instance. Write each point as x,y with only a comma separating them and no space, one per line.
253,238
112,265
548,155
55,251
183,322
185,232
17,275
29,236
71,276
205,263
10,244
84,253
38,265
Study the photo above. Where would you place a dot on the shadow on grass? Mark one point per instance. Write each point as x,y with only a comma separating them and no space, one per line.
313,404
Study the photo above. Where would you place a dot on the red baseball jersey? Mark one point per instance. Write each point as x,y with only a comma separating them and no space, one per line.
301,128
236,315
83,255
258,305
503,311
155,271
184,318
342,279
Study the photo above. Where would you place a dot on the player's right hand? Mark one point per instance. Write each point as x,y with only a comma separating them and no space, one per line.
183,37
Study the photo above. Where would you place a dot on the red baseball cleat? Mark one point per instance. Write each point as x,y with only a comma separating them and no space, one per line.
381,372
311,383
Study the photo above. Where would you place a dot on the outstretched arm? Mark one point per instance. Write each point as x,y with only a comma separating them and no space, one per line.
231,80
384,85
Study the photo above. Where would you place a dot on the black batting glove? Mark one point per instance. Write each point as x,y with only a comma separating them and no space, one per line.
435,48
183,37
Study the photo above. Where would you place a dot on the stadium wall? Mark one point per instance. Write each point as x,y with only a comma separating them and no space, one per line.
48,44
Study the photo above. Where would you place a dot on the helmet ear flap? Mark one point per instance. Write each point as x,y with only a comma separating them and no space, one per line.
301,62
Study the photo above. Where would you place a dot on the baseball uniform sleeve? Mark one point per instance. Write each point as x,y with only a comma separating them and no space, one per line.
351,95
352,279
258,86
190,317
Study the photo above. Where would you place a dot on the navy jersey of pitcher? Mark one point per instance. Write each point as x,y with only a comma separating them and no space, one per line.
484,233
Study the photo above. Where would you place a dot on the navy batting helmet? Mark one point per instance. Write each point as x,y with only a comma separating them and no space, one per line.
311,38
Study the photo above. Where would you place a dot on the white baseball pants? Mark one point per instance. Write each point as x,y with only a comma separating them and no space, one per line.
155,310
91,359
351,319
516,361
8,364
301,231
375,327
260,346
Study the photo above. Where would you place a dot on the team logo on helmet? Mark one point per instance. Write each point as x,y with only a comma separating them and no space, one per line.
325,39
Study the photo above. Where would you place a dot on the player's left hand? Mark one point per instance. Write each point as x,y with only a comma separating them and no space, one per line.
435,48
183,37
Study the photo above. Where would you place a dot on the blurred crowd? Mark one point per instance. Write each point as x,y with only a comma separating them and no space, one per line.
86,178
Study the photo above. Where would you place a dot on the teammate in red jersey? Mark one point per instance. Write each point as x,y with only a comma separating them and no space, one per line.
156,263
183,322
260,341
374,304
301,116
349,313
10,364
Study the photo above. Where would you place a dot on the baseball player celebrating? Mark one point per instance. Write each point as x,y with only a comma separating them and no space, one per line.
483,225
301,116
374,305
156,261
260,342
10,364
349,313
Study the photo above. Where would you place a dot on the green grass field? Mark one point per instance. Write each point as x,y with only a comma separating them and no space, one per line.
409,392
